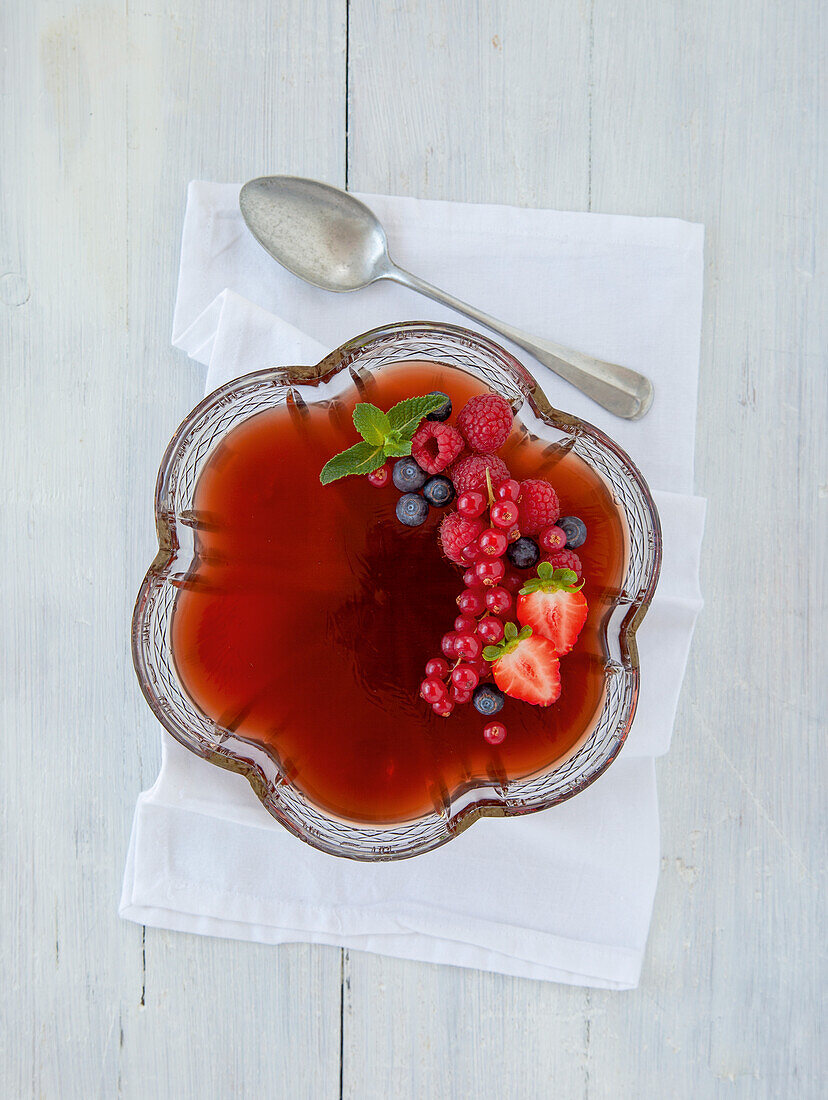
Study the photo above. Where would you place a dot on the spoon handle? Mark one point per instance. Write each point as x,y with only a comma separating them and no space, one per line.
621,391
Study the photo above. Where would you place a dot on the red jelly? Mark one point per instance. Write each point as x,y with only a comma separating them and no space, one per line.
308,617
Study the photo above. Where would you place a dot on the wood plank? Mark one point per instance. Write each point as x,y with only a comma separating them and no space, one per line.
108,111
707,113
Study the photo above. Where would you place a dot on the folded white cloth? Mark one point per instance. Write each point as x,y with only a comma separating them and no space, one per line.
573,886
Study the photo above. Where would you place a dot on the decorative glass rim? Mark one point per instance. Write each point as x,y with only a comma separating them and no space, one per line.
237,400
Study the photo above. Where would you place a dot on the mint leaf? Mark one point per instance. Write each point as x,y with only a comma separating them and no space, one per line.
405,416
397,448
371,423
362,458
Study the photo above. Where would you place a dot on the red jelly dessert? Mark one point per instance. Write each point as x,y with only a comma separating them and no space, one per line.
311,611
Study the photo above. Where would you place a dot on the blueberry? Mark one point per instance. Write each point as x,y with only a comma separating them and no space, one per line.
488,699
408,476
523,553
412,509
575,531
438,491
444,412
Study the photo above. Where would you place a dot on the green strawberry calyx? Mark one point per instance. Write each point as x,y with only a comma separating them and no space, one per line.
512,637
384,436
552,580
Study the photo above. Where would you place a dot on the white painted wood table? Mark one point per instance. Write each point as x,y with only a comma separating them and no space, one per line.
701,110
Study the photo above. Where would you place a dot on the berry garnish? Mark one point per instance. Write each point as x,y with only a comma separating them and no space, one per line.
380,478
436,668
553,606
471,505
494,732
575,530
523,553
486,422
552,539
408,476
469,474
471,602
456,533
488,699
444,708
498,600
438,491
464,678
566,559
384,436
508,490
490,630
447,644
465,624
433,690
490,570
412,510
504,514
493,543
525,666
539,505
468,646
444,411
435,446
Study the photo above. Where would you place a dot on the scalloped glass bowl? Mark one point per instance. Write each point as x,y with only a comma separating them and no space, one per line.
186,456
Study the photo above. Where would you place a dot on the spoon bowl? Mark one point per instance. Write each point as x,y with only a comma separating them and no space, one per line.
323,235
332,240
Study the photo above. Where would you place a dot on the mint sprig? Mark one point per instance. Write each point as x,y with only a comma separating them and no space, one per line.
552,580
512,637
385,435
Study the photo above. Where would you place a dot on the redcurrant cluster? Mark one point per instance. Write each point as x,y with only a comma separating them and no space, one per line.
484,604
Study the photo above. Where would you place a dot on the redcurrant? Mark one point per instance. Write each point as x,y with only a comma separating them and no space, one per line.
447,644
433,691
464,678
504,514
471,505
436,668
471,602
552,539
490,630
508,490
382,476
468,646
490,572
498,601
495,733
493,543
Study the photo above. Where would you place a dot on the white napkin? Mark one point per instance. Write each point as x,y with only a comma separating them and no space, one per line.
573,887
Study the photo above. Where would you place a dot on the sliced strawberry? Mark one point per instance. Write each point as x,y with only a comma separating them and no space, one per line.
525,667
553,606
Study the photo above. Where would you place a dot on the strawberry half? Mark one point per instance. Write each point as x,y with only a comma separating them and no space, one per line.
553,605
525,667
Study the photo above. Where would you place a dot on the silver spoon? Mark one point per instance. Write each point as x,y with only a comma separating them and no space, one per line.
332,240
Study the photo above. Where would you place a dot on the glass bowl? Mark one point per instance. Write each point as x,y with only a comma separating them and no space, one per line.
190,449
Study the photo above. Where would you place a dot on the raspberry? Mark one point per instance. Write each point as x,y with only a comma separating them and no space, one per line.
469,474
435,446
486,422
565,559
457,532
539,506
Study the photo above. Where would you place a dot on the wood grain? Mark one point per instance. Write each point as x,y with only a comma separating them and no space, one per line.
108,112
702,111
